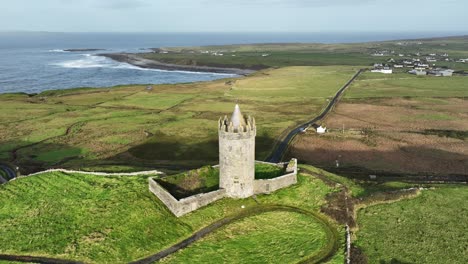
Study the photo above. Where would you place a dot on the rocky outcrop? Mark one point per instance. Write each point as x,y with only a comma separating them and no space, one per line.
78,50
136,60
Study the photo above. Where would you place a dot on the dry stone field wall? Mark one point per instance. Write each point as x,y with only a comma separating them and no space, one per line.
152,172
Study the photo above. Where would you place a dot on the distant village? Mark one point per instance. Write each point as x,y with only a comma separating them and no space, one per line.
417,63
208,52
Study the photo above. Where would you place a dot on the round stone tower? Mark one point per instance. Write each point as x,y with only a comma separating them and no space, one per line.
237,154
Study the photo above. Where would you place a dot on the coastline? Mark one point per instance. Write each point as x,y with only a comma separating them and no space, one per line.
152,64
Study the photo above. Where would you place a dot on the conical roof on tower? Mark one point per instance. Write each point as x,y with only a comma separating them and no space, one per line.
237,118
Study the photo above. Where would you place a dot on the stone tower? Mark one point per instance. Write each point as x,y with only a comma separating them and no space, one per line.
237,154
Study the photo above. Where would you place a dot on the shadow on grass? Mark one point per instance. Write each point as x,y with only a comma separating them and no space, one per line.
34,157
158,152
179,192
165,147
393,261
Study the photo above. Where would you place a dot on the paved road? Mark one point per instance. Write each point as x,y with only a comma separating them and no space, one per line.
283,145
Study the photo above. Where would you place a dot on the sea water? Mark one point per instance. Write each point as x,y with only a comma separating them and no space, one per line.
32,62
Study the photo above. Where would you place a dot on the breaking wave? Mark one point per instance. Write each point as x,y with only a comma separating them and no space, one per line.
57,50
93,61
89,61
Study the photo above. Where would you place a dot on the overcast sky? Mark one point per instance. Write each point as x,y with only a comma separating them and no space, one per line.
234,15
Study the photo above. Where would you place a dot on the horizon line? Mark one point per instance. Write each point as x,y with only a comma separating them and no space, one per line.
243,32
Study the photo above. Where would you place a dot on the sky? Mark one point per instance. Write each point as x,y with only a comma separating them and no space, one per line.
234,15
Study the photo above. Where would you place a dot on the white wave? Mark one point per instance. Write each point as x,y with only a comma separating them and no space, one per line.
89,61
124,65
92,61
57,50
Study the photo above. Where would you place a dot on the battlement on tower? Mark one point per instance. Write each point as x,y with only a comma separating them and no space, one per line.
228,126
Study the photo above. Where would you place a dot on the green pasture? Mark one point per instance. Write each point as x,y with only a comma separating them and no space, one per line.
427,229
260,56
117,219
256,60
258,239
375,85
171,124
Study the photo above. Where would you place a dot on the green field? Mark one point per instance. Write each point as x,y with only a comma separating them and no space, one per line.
258,239
172,124
428,229
260,56
116,219
375,85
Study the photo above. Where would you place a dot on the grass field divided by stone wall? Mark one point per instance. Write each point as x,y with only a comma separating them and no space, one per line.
170,124
114,219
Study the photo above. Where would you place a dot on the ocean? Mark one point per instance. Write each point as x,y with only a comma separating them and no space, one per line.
32,62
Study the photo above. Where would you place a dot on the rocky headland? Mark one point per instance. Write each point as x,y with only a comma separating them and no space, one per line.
136,60
78,50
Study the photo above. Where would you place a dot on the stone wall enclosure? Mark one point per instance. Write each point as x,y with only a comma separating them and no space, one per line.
185,205
192,203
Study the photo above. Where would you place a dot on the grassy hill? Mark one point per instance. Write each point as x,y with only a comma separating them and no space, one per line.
116,220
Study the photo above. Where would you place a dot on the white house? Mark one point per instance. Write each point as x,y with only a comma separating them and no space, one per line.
386,70
422,65
442,72
418,72
321,130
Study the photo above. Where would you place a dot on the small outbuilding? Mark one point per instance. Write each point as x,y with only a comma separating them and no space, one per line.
418,72
321,130
442,72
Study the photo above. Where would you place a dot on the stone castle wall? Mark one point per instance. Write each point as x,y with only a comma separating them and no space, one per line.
271,185
191,203
185,205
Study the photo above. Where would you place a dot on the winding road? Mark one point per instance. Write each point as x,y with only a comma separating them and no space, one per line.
282,146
